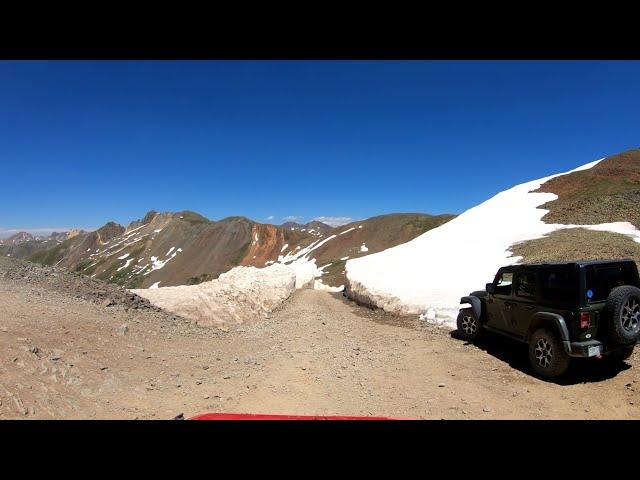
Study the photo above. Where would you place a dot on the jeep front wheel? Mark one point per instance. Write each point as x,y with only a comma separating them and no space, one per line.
468,324
546,354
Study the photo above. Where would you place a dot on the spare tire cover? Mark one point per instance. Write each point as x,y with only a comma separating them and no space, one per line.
623,312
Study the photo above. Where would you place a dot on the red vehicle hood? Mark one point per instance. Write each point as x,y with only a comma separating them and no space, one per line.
258,416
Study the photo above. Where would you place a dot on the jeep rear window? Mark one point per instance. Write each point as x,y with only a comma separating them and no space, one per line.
601,279
559,286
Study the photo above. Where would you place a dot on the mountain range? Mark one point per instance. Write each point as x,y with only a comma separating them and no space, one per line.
24,244
185,248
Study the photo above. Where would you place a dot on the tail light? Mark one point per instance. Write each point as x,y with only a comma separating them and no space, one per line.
585,320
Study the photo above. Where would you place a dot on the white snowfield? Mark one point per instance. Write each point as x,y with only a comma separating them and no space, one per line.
305,268
237,296
429,274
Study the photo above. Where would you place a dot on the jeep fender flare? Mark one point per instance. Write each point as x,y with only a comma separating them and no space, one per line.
540,319
476,305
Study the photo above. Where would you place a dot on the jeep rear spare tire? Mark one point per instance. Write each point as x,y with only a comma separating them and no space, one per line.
623,310
468,324
546,354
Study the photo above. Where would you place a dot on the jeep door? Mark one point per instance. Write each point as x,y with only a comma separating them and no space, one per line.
499,302
525,298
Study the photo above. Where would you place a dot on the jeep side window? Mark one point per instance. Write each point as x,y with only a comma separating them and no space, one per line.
503,285
558,286
526,287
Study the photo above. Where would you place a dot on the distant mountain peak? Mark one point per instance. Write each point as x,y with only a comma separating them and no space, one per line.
149,216
110,230
18,238
291,225
318,225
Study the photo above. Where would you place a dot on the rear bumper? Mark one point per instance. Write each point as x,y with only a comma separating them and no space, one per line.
591,348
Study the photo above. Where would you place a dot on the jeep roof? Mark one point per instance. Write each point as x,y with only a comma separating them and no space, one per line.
579,263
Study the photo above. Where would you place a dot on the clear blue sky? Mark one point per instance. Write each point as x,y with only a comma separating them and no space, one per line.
82,143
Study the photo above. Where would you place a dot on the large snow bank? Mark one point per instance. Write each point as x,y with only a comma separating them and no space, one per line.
239,295
431,272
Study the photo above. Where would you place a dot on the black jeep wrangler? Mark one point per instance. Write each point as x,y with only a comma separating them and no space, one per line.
562,310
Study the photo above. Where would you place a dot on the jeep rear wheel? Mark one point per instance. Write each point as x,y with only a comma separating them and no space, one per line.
623,310
546,354
468,324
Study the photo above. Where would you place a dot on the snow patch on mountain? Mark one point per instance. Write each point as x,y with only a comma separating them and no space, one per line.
127,263
157,264
302,264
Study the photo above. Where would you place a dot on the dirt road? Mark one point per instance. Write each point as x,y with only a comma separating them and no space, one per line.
67,357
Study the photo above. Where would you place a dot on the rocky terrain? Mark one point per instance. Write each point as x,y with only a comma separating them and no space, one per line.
65,353
36,278
608,192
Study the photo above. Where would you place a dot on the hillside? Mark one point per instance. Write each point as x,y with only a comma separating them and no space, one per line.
185,248
76,247
361,238
534,221
608,192
577,244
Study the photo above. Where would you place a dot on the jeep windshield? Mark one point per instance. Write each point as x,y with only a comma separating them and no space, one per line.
601,279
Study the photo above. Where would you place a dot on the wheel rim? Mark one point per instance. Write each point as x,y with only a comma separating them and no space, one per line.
469,325
543,352
631,315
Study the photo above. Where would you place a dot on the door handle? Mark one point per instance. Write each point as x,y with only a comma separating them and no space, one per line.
529,307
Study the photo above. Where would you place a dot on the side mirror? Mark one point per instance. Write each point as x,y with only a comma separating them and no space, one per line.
490,288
